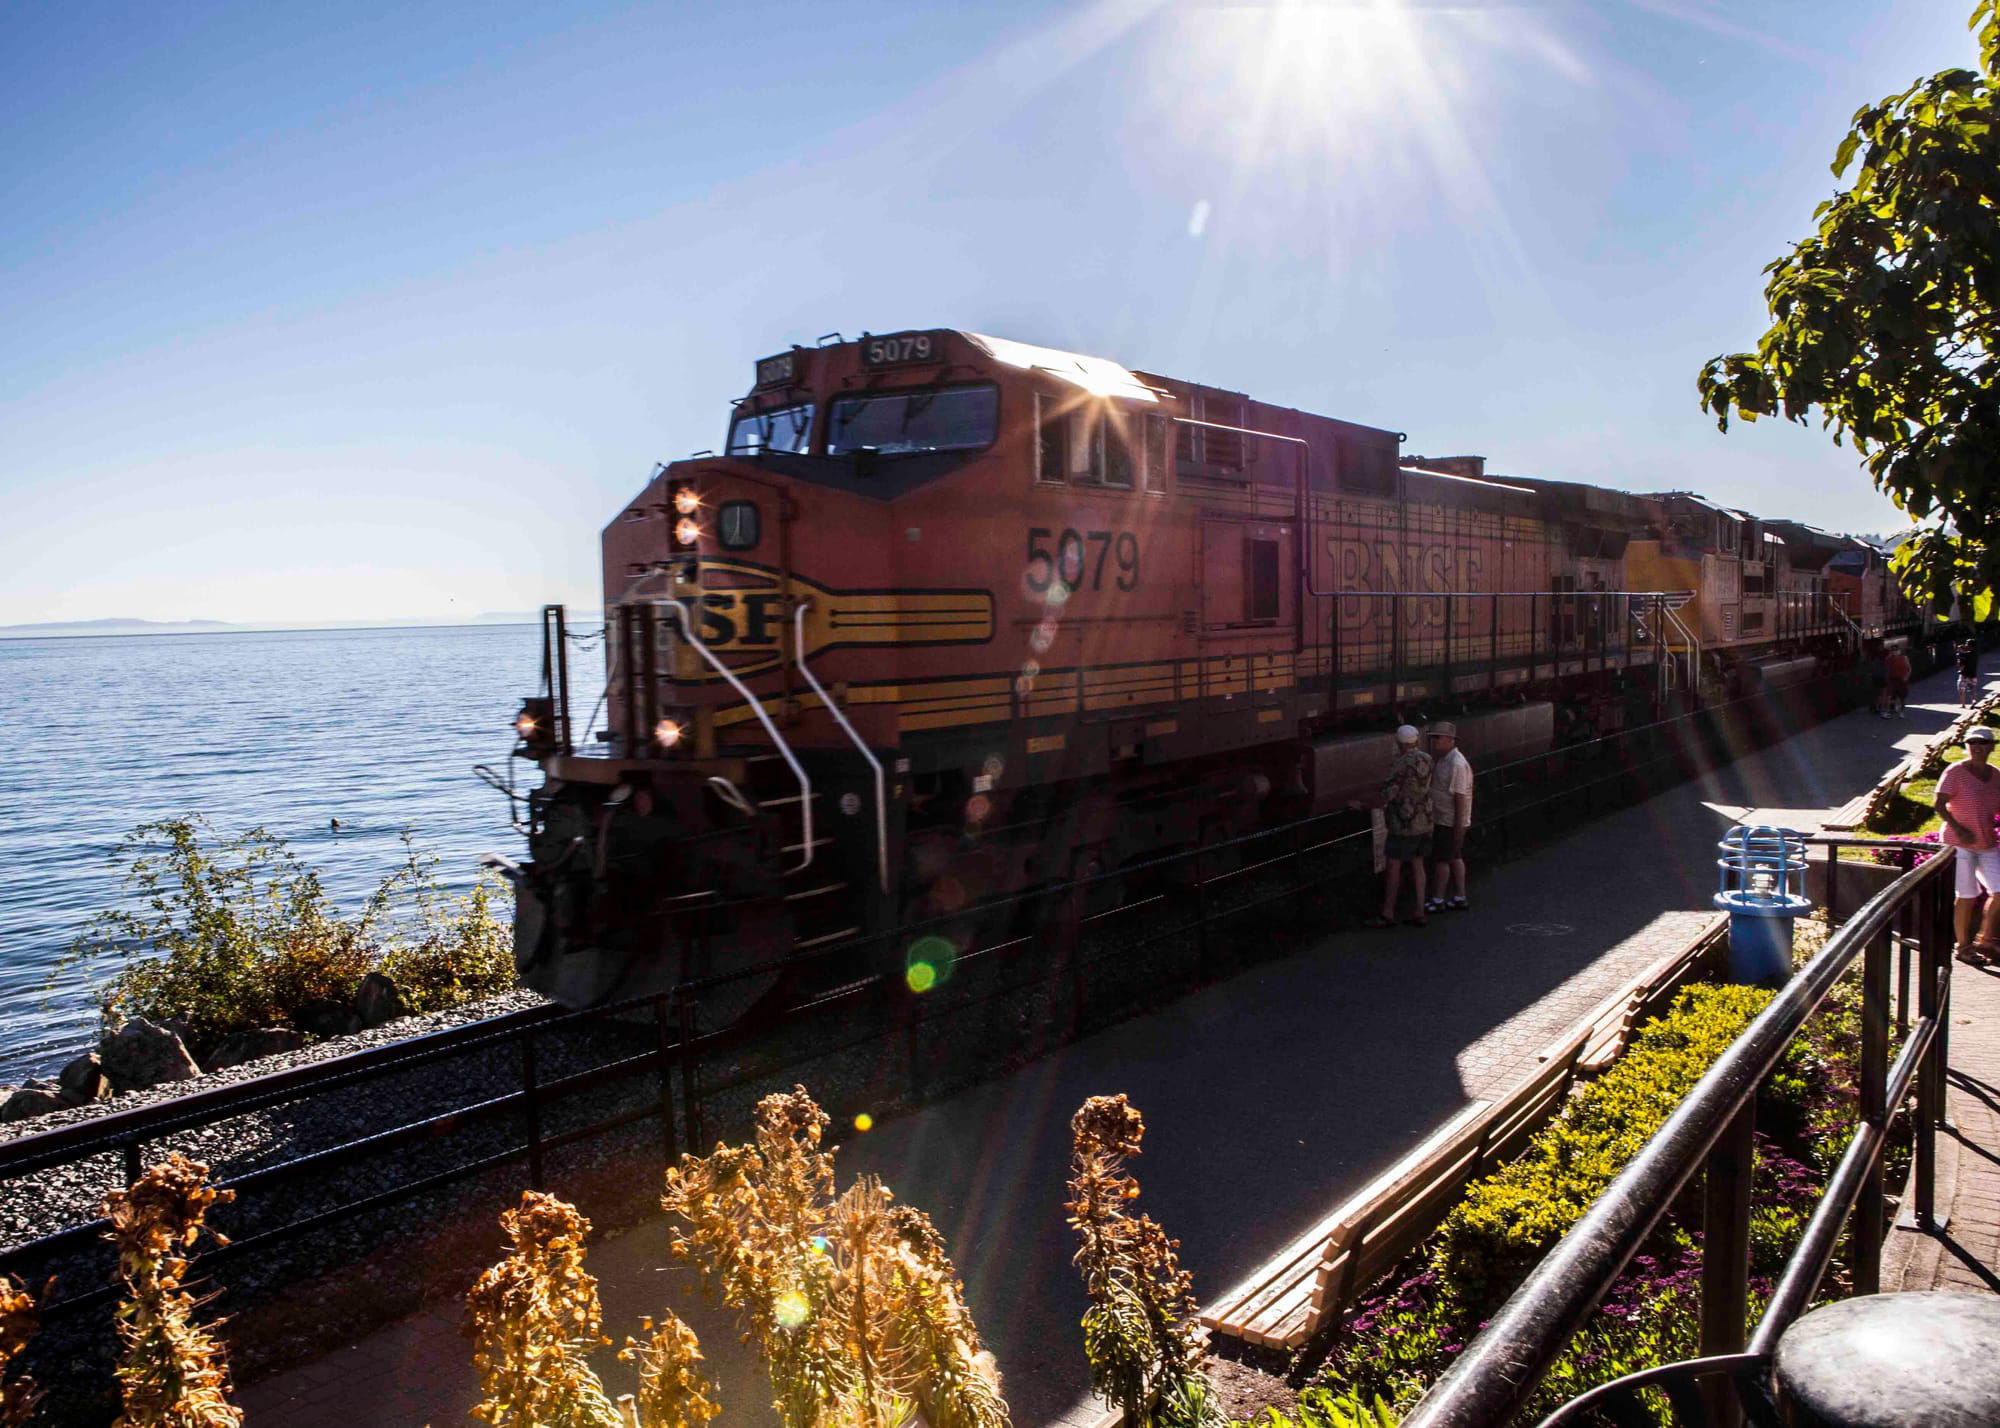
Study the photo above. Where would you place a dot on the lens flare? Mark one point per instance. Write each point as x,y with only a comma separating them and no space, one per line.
686,502
790,1309
928,963
864,1122
668,732
687,531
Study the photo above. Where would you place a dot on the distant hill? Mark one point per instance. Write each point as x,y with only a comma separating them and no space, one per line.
58,629
114,627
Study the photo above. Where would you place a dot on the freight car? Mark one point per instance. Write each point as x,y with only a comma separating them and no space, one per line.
952,616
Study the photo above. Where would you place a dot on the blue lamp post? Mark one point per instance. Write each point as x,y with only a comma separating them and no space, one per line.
1762,888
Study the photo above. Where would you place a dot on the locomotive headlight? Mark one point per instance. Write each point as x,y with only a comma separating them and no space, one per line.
686,501
535,725
668,733
686,531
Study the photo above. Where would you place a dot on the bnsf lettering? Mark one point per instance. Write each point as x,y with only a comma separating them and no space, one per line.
740,620
1385,567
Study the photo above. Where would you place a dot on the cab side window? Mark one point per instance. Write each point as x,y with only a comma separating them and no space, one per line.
1052,439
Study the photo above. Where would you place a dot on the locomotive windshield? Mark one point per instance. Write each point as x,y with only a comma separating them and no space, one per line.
954,419
778,429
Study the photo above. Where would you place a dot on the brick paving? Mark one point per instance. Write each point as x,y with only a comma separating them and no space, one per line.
1966,1253
1268,1097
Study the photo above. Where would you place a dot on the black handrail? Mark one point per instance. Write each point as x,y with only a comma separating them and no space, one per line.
1499,1370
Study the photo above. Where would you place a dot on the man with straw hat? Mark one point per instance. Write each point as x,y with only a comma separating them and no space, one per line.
1406,810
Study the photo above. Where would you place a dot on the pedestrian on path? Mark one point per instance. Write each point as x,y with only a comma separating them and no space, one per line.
1898,665
1451,813
1968,674
1406,810
1968,800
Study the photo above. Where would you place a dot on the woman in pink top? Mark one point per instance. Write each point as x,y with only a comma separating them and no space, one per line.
1968,800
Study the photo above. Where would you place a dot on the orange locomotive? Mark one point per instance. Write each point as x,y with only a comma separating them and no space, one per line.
953,616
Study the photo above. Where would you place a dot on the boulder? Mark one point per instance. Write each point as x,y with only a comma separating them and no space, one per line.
241,1046
141,1054
83,1081
324,1018
28,1101
378,1001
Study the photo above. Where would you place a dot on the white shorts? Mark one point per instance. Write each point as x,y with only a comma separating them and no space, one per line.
1977,870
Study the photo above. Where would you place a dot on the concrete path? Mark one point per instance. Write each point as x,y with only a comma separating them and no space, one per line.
1966,1254
1268,1097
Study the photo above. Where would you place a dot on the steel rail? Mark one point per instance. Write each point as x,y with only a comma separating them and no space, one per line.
1491,1381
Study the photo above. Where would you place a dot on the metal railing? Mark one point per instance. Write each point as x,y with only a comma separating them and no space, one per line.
1026,973
1711,1132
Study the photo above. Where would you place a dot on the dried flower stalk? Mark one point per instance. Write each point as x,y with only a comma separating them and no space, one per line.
851,1301
18,1321
1140,1333
173,1373
533,1319
673,1391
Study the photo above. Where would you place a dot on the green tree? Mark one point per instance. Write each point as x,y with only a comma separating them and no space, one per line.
1886,320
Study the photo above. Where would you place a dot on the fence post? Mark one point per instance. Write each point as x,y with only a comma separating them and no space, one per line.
1930,1075
663,1029
1203,949
690,1073
530,1089
1865,1232
1725,1253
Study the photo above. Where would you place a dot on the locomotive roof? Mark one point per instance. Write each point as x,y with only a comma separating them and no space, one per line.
1593,500
1099,376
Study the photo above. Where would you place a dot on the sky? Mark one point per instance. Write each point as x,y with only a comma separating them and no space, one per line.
317,312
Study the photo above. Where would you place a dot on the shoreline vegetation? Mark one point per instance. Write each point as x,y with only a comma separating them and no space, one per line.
228,948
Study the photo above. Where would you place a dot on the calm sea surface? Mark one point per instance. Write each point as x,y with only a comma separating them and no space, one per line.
378,728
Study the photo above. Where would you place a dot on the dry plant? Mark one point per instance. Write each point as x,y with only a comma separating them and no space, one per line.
1139,1333
18,1319
173,1373
673,1391
851,1301
533,1319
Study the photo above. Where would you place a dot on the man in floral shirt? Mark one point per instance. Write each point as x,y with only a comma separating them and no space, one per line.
1406,811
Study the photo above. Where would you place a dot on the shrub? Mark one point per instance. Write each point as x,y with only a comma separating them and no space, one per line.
233,933
173,1373
1509,1220
1317,1408
1397,1342
1140,1332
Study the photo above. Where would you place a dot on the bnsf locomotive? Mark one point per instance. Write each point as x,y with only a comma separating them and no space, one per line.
952,617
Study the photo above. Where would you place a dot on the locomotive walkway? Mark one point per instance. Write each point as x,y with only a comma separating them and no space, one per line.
1269,1097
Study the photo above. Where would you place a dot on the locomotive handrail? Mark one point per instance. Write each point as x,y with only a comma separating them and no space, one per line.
763,717
881,795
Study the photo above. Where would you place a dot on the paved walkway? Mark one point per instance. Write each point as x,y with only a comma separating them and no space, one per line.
1269,1097
1966,1254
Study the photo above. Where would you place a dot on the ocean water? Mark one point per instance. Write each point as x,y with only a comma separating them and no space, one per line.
378,728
